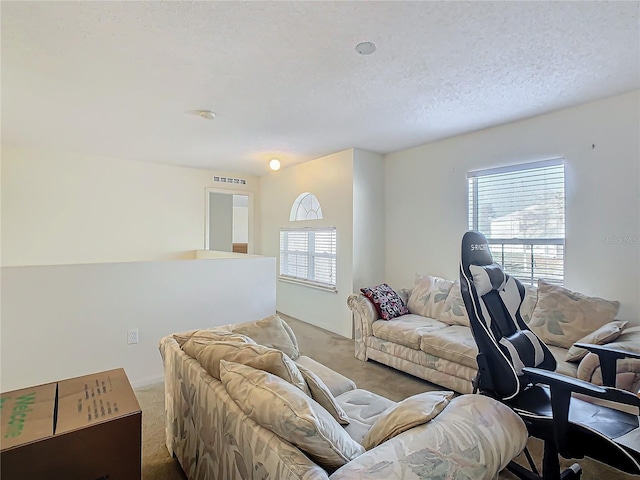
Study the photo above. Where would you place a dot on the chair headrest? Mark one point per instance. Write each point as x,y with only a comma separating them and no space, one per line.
475,250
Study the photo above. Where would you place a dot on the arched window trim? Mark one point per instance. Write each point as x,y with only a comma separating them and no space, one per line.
305,207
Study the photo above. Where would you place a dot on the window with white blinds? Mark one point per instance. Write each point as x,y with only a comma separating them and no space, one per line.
520,209
308,256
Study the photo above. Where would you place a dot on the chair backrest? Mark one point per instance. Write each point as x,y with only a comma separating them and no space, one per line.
493,299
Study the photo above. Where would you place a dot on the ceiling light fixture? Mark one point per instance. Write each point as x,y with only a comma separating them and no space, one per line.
274,164
208,114
366,48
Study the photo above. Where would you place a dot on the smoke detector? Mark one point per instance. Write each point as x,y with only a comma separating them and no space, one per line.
208,114
366,48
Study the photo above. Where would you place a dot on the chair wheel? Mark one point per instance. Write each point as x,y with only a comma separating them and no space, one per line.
574,472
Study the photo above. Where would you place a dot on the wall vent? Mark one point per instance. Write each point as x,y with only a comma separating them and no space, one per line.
237,181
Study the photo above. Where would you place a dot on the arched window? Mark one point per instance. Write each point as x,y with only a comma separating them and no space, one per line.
305,207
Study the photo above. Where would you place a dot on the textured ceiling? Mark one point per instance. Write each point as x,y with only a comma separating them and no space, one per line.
121,79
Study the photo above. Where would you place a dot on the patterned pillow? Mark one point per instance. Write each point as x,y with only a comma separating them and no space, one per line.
454,311
409,413
386,300
605,334
213,335
529,303
257,356
562,317
321,394
271,332
428,296
196,342
286,411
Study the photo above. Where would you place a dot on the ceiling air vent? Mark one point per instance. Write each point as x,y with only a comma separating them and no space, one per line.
237,181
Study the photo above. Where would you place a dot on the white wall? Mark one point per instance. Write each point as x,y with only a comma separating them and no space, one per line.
426,196
65,209
330,179
69,320
368,219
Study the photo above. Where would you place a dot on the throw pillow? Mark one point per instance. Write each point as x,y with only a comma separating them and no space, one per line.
213,335
386,300
428,296
196,342
256,356
321,394
407,414
529,303
605,334
454,311
562,317
271,332
286,411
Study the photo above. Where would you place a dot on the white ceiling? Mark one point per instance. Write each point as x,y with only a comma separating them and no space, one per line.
121,79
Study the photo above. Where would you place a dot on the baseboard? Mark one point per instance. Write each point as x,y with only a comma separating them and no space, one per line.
145,382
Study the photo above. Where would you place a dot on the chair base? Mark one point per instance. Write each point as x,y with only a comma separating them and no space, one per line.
550,467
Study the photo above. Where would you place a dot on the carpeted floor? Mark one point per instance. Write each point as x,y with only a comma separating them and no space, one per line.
335,352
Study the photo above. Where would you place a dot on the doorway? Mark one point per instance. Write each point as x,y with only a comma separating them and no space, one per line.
229,217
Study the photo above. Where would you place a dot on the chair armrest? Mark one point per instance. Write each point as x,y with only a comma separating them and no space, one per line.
608,357
608,351
558,382
562,387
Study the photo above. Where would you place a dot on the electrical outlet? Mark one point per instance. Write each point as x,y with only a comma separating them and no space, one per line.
132,336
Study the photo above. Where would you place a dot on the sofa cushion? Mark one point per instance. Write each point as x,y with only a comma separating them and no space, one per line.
408,413
387,302
563,367
321,394
605,334
271,332
363,408
428,296
454,343
562,317
256,356
282,408
406,330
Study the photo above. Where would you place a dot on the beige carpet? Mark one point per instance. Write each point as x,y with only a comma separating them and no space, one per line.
337,353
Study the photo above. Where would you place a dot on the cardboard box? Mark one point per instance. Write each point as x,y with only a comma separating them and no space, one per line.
84,428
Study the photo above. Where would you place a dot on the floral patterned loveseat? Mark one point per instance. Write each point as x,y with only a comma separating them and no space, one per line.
431,339
235,427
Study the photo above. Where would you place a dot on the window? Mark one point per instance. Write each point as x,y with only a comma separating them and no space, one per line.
305,207
308,256
520,209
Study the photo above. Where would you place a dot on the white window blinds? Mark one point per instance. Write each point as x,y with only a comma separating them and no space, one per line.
521,211
308,255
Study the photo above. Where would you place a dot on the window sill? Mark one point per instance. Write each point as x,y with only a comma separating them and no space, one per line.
306,283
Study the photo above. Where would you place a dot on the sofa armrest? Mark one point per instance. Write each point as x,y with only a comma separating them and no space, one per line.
335,382
474,437
364,314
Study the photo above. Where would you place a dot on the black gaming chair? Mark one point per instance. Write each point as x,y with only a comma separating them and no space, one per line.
516,367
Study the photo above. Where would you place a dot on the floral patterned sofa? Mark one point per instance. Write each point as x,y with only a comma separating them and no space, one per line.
241,403
424,331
